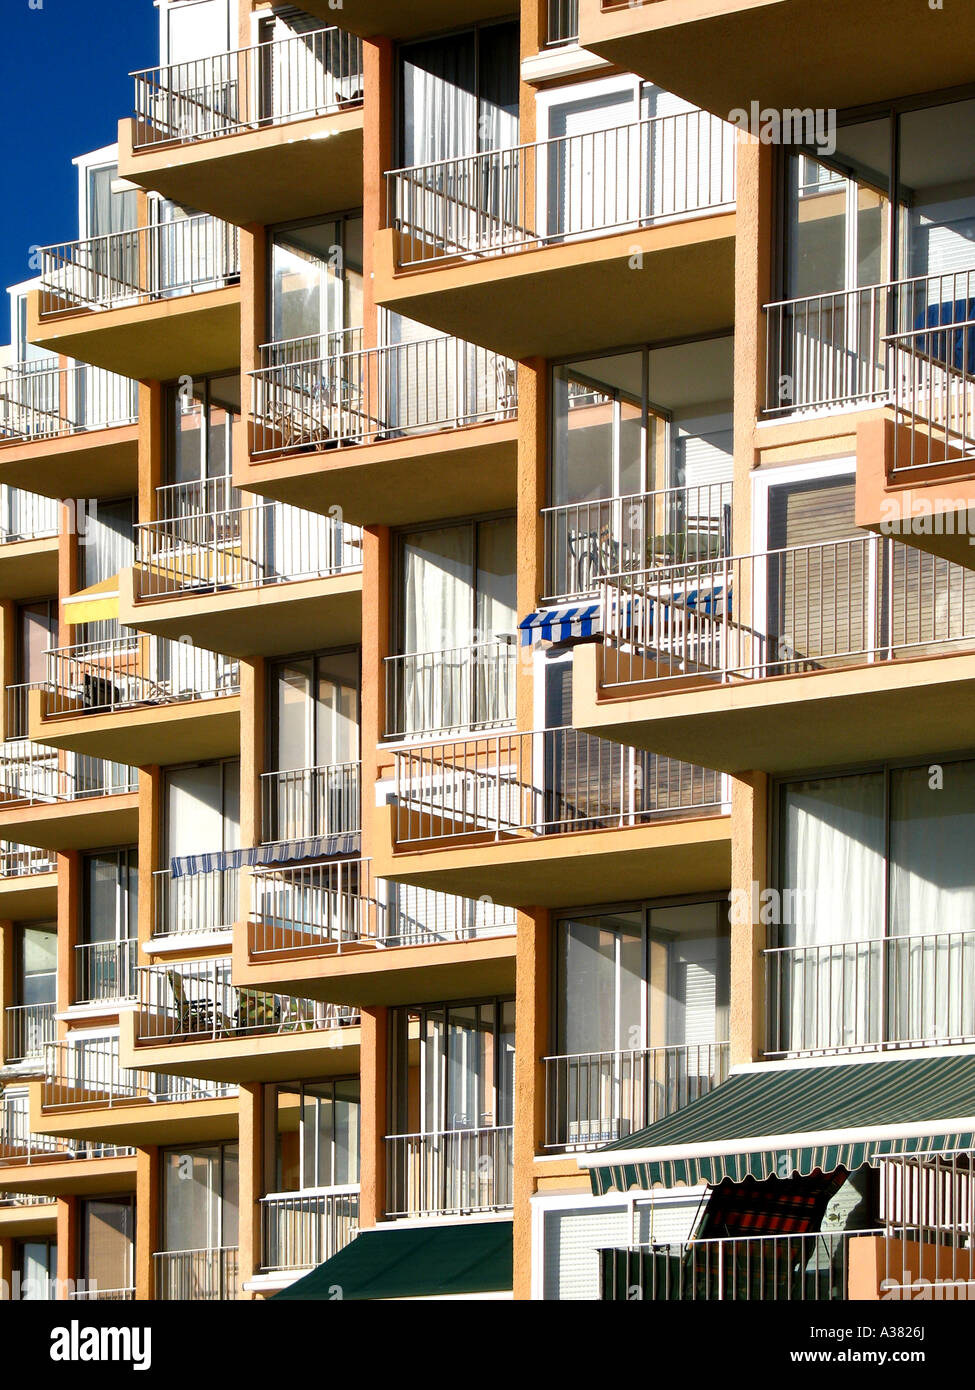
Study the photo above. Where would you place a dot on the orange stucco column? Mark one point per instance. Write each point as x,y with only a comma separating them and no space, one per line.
532,496
67,1252
753,290
373,1055
251,1177
147,1221
150,849
749,874
376,597
532,1030
6,980
8,659
253,743
377,158
152,435
69,927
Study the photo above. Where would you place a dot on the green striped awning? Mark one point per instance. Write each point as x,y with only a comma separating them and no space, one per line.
781,1119
468,1258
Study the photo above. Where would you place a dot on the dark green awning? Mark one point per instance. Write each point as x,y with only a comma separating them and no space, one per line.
779,1120
474,1257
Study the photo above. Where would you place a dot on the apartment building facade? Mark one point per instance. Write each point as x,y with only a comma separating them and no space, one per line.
486,776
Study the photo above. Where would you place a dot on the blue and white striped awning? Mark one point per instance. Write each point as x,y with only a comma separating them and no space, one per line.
281,852
549,626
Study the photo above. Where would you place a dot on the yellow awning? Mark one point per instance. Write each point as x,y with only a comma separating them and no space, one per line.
94,604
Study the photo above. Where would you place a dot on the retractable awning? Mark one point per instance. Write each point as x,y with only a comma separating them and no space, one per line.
97,603
471,1258
279,852
777,1120
552,625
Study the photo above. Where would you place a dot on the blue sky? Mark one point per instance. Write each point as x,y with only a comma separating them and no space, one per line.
64,85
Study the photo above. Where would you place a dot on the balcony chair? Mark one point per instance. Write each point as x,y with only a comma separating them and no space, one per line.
195,1015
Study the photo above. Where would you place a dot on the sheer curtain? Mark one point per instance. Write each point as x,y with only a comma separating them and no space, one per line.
932,879
438,626
830,990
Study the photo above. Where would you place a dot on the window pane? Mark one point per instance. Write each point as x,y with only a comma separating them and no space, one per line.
294,748
932,829
497,601
936,189
600,984
437,589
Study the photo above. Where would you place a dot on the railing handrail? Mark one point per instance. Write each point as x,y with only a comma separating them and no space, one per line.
146,229
888,938
649,1246
634,1051
243,48
307,771
339,1190
441,1133
484,155
867,289
501,639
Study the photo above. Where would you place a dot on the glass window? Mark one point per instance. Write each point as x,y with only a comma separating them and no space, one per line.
38,963
202,808
107,1240
459,94
316,281
329,1134
111,881
464,1076
38,632
199,448
317,706
35,1266
936,189
200,1197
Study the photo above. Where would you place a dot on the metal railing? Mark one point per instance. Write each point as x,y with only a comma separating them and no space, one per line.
413,916
21,861
328,393
933,384
139,266
534,195
927,1203
242,548
563,22
29,1028
853,347
542,783
174,501
96,1295
450,1172
124,672
307,802
42,400
20,1145
784,612
25,516
18,700
32,774
190,1000
311,906
248,88
472,687
885,992
586,542
186,903
86,1074
593,1098
105,970
300,1230
810,1268
197,1275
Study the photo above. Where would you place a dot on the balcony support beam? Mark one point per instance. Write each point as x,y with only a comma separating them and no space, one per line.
374,1067
749,875
66,1263
532,1041
147,1206
250,1119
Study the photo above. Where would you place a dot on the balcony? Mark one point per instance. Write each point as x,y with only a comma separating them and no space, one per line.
139,700
252,135
191,1020
64,801
87,1094
50,1165
59,424
197,1275
28,543
155,303
28,883
725,54
459,688
257,580
595,1098
309,803
523,818
336,424
390,19
190,905
450,1172
28,1030
822,1267
105,971
300,1230
882,993
865,642
586,542
320,929
903,354
459,231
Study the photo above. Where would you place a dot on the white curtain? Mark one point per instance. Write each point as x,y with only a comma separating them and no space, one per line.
438,627
932,878
832,905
